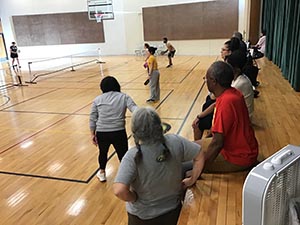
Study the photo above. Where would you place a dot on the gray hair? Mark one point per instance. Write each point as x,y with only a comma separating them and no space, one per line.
222,72
146,126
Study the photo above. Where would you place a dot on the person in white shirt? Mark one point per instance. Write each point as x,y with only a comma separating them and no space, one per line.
170,49
241,81
261,44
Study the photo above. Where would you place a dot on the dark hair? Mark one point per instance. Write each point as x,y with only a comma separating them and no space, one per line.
263,32
110,83
237,59
222,72
165,39
152,50
235,44
238,35
13,42
146,45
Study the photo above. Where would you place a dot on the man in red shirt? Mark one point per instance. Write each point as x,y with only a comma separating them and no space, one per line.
233,146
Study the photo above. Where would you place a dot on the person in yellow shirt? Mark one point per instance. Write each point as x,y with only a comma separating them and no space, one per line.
153,74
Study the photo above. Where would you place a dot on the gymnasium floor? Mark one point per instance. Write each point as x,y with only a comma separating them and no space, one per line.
48,163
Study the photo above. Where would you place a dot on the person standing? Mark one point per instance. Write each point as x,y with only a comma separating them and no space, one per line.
170,49
150,178
107,121
14,53
154,75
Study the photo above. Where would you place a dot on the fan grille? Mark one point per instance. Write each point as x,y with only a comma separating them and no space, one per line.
283,187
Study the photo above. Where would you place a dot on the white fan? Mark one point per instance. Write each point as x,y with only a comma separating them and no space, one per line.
270,187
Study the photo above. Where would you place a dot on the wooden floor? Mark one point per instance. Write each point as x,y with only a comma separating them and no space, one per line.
48,163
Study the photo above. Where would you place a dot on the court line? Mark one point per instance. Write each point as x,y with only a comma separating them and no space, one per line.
30,99
7,99
91,177
51,125
191,70
164,99
37,112
192,106
43,177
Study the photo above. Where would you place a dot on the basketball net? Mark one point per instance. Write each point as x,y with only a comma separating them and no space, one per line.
98,17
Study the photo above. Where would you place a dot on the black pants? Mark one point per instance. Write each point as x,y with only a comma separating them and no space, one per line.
169,218
117,138
204,123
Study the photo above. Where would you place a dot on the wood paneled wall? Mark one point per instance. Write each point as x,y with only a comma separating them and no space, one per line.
56,29
193,21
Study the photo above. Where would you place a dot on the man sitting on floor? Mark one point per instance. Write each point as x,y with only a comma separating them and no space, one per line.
233,146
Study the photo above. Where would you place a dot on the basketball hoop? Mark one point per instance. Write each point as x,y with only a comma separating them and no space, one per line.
99,17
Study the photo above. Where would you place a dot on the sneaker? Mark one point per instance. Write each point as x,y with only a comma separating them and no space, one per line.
169,65
101,176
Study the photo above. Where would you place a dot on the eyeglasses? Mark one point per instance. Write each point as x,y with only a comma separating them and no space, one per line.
205,78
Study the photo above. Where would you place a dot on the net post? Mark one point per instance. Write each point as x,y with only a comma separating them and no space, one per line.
18,77
30,74
72,66
99,56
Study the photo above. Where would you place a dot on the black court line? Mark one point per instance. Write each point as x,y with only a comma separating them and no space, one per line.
80,76
43,177
92,176
59,178
167,118
31,98
109,158
179,82
200,90
51,125
190,71
165,98
7,100
36,112
134,79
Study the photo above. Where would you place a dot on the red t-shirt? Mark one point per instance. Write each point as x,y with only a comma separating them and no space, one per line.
231,119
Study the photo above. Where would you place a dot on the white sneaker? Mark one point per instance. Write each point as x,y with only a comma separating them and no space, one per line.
101,176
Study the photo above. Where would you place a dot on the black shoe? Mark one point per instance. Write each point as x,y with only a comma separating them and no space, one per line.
256,93
169,65
257,84
150,100
146,82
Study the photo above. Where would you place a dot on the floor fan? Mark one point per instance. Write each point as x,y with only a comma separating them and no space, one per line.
270,188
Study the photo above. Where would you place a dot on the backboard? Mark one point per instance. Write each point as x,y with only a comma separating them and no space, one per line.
103,7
